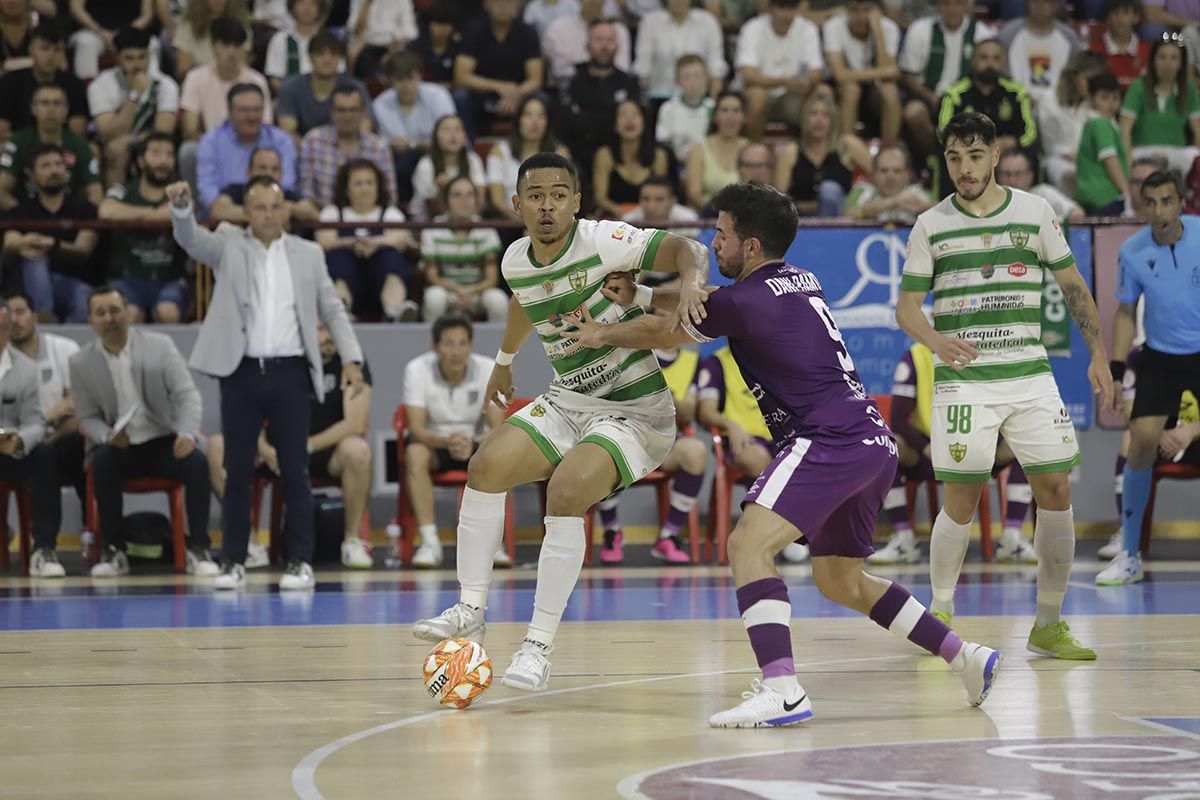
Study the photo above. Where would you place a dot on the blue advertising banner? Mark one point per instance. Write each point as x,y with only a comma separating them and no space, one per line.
860,270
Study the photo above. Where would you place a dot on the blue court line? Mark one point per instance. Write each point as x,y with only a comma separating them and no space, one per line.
596,599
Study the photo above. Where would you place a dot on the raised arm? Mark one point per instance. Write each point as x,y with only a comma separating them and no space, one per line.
198,242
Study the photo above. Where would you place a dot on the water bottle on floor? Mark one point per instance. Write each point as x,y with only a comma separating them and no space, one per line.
392,559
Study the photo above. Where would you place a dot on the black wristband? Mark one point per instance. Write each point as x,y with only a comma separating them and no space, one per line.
1117,368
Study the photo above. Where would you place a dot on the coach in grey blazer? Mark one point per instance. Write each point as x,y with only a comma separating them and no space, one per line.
260,340
23,459
140,409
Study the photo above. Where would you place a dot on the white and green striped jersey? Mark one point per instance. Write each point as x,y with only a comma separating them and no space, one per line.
986,275
460,255
552,294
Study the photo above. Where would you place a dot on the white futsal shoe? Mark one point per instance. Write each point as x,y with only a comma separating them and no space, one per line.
763,707
1115,545
459,621
902,548
529,669
980,665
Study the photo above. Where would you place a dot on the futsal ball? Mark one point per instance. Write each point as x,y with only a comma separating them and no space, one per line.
457,671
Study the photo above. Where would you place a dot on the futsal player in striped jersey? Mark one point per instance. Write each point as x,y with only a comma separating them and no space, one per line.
835,462
983,252
607,419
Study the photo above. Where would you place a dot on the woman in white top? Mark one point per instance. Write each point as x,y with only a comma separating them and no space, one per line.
376,27
531,134
1061,118
367,263
449,156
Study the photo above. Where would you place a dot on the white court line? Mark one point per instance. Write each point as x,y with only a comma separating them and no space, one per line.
304,782
304,773
1159,726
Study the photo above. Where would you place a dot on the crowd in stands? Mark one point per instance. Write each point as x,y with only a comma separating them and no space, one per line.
379,111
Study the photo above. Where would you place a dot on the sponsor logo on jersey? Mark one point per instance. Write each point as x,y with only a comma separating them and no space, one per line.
987,239
537,411
987,271
958,452
619,233
548,286
1017,270
1019,238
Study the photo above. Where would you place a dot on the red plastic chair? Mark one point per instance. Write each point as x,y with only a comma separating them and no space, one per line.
260,484
660,481
884,402
455,478
24,522
1175,472
720,500
174,492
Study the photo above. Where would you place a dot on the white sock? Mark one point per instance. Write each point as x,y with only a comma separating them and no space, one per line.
1055,547
947,549
428,534
480,529
786,685
558,571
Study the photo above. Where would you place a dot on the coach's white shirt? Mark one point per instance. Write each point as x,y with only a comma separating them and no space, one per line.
273,329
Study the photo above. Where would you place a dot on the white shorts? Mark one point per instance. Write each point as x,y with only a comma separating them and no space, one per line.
638,442
1039,432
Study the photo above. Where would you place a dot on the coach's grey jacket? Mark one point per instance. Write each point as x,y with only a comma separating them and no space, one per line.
20,408
233,254
168,394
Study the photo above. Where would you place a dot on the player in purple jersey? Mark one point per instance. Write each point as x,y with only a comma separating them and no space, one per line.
836,459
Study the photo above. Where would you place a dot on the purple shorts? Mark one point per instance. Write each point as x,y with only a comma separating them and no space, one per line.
831,492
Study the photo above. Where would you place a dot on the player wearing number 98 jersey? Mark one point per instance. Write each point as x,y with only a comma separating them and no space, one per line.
983,252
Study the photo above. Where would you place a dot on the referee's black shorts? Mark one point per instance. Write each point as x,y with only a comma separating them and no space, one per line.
1161,379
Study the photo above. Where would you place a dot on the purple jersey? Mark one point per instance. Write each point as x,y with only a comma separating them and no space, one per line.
792,356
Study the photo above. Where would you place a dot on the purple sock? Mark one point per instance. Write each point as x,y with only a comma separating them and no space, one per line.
608,513
1019,495
895,503
684,489
900,613
767,613
1119,487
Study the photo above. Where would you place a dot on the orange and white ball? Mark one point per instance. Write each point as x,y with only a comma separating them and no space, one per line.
457,672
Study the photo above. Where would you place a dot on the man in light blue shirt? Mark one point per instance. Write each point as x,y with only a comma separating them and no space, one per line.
224,153
1160,263
407,114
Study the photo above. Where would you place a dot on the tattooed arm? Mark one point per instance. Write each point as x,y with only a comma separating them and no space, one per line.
1083,310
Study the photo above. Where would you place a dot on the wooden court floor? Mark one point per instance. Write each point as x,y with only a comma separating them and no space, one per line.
156,688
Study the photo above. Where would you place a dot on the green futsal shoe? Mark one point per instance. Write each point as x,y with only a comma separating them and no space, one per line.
944,616
1055,640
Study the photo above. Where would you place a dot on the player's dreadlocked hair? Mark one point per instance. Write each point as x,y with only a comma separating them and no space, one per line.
969,127
760,212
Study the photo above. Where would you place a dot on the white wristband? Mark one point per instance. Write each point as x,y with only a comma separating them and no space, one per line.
504,359
643,296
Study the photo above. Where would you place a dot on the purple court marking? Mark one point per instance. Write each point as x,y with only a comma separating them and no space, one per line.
999,769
